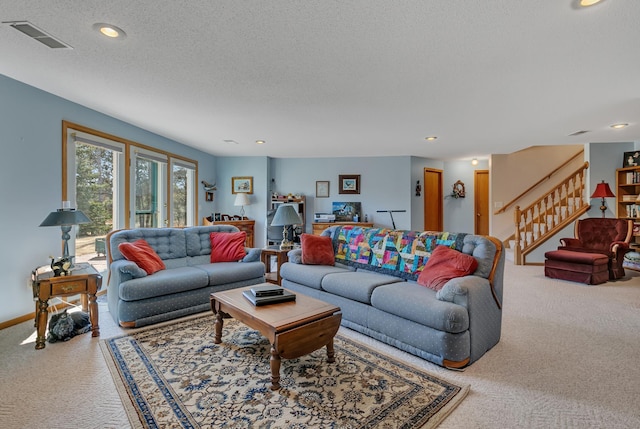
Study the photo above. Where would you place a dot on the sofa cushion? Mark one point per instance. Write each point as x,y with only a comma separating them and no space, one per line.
445,264
143,255
356,285
419,304
308,275
168,243
163,282
228,246
221,273
316,250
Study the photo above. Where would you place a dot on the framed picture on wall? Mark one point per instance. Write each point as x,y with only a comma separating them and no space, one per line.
631,159
242,185
349,184
322,189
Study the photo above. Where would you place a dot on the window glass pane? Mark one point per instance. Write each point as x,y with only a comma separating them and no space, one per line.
95,193
146,194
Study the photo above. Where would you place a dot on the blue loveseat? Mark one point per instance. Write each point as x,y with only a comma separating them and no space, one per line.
374,278
136,299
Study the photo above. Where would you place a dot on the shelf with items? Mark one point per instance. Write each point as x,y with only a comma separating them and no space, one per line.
627,192
299,203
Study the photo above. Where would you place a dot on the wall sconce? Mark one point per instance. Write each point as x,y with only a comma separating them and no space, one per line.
474,161
418,188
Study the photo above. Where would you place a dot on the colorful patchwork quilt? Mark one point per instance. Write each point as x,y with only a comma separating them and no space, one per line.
402,253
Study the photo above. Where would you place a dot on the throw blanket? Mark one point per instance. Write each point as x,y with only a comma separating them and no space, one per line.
401,253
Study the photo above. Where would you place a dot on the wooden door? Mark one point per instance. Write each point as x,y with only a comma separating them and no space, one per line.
481,201
433,200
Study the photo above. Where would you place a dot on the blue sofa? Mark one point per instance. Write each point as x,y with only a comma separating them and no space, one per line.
136,299
374,278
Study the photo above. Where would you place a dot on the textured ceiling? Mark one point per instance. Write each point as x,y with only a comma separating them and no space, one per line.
349,78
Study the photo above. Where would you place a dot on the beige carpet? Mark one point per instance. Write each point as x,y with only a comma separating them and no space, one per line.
174,375
568,358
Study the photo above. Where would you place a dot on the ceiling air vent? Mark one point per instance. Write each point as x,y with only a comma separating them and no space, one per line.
577,133
35,33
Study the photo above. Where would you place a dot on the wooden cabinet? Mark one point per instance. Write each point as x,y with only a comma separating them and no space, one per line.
627,193
246,225
321,226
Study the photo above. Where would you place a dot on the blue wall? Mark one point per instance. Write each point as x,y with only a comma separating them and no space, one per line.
31,174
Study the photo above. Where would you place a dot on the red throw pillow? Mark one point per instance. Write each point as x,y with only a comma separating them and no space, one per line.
316,250
143,255
227,246
445,264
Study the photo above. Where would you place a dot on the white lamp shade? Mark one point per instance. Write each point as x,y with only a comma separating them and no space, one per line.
242,199
286,215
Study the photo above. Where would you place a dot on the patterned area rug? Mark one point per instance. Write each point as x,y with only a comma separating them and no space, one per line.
175,376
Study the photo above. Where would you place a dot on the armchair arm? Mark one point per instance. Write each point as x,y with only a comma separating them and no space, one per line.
570,242
619,248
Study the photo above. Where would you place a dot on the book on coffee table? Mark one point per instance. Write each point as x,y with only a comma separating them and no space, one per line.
269,290
269,299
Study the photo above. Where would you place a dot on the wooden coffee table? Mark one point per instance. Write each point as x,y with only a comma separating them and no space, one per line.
294,328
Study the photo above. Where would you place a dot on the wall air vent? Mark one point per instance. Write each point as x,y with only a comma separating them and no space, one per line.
35,33
577,133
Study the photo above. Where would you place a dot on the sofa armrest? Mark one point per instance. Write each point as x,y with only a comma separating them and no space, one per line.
456,289
253,254
122,270
570,242
295,256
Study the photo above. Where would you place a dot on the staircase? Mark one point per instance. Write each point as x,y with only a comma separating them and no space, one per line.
548,215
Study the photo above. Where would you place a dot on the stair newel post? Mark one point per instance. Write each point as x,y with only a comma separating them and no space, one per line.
516,247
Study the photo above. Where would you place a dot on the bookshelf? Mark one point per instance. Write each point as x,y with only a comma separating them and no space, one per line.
627,197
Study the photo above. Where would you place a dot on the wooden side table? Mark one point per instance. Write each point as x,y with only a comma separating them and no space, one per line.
84,280
281,257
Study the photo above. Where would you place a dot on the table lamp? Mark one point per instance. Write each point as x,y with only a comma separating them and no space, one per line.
65,217
286,215
242,199
602,191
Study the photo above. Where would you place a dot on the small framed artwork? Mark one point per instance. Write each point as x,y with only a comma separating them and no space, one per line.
349,184
322,189
631,159
241,185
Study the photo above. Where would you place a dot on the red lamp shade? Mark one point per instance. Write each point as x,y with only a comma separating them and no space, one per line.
602,191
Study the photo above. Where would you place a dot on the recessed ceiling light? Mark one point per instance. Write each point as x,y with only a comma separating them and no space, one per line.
430,138
260,141
618,126
586,3
110,30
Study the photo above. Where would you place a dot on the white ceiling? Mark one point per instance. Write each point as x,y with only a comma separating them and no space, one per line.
343,78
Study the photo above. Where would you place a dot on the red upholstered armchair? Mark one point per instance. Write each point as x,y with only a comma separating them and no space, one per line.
607,236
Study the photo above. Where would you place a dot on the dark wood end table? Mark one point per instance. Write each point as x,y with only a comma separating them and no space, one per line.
84,279
281,257
293,328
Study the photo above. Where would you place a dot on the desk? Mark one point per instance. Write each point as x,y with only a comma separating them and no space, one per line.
84,280
281,257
